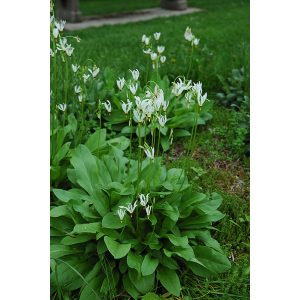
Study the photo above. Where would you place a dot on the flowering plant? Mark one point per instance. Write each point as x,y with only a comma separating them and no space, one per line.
145,225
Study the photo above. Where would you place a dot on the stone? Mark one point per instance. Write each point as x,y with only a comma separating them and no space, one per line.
68,10
174,4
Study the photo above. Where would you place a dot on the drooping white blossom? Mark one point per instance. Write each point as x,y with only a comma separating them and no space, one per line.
62,107
157,35
135,74
149,151
153,56
180,86
148,210
160,49
121,83
148,51
121,213
144,199
138,116
130,208
188,34
126,106
162,120
195,42
75,68
77,89
107,105
86,77
55,32
94,72
133,88
80,98
163,59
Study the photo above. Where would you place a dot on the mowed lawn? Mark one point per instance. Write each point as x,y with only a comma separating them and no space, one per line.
223,29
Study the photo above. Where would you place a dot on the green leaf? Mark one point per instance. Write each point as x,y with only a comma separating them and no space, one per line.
112,221
96,140
89,292
66,196
149,265
87,228
129,287
151,296
61,153
179,241
143,284
134,261
57,251
116,249
59,211
169,279
211,259
68,240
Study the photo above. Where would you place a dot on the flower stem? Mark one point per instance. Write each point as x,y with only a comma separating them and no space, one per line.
190,65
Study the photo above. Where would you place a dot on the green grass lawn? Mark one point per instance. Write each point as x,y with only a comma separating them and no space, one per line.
105,7
223,28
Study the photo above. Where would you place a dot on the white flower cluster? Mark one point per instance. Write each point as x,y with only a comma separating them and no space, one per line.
130,208
149,151
188,35
193,91
154,52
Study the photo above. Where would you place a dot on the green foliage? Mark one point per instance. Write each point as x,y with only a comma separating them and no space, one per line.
139,247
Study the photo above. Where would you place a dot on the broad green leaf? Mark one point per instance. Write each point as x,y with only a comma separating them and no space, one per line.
151,296
62,152
129,287
149,265
112,221
59,211
90,291
169,279
179,241
82,238
57,251
134,261
213,260
116,249
210,204
143,284
96,140
66,196
87,228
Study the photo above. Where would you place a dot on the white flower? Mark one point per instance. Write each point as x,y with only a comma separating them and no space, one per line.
77,89
121,213
143,38
144,199
157,35
95,71
160,49
147,41
148,210
133,88
80,98
107,106
126,106
75,68
180,86
163,59
195,42
153,56
55,32
162,120
135,74
139,117
188,34
202,99
165,105
51,52
188,97
197,89
149,151
148,51
121,83
60,25
62,107
69,50
130,208
86,77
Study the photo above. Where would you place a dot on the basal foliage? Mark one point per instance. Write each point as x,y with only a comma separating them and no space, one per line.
95,252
